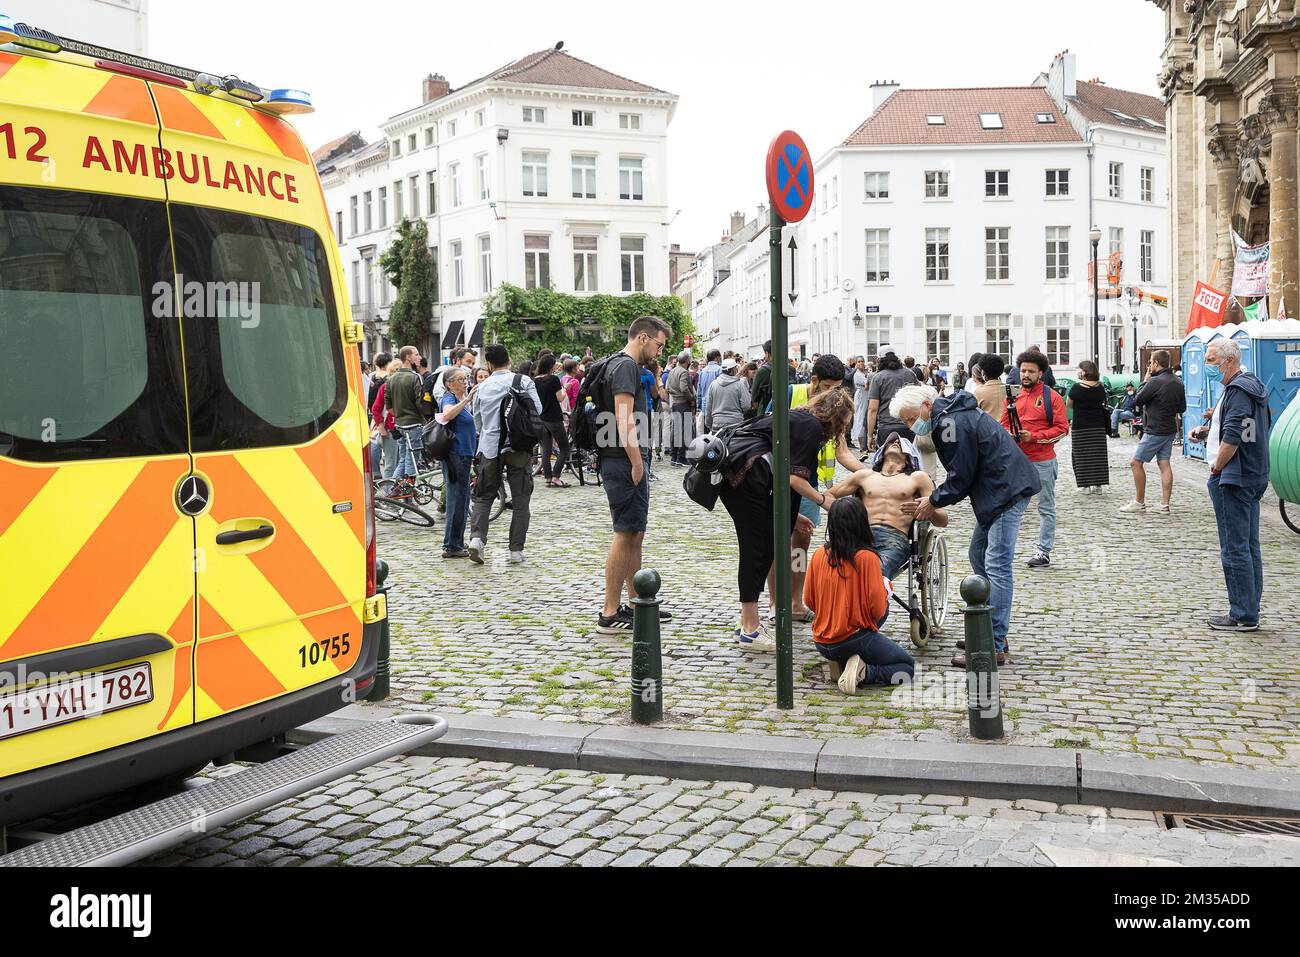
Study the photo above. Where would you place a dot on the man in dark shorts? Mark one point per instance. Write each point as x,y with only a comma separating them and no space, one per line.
623,443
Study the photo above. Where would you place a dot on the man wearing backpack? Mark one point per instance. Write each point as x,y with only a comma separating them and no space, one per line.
623,444
402,396
502,403
1043,423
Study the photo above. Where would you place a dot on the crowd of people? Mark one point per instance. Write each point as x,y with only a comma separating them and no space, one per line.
888,422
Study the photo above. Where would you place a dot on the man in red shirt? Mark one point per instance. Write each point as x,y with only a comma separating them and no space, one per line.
1041,424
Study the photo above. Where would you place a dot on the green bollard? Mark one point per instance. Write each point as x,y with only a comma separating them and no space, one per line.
647,663
984,708
379,689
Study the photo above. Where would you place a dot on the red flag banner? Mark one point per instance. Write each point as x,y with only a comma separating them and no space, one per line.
1208,307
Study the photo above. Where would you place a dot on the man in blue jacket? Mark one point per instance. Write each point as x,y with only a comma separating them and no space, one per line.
985,465
1236,448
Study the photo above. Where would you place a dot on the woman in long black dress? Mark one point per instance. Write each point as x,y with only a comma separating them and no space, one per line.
1088,430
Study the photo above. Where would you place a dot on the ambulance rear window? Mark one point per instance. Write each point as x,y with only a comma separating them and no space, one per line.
88,368
262,344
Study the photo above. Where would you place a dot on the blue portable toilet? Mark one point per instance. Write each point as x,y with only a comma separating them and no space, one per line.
1195,386
1275,357
1244,339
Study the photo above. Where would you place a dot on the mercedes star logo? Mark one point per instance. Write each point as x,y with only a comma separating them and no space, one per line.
192,496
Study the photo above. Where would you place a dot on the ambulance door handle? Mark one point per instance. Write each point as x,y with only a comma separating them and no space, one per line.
248,535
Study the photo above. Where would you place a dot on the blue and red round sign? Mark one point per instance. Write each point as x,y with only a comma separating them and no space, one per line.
790,177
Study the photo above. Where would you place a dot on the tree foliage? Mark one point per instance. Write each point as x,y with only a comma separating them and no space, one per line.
526,321
409,266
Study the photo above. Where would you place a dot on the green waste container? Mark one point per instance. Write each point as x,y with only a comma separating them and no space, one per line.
1284,453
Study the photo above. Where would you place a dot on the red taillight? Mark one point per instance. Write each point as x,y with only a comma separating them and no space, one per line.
372,584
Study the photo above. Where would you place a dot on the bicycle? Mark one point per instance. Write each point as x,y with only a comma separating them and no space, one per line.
428,478
581,464
395,510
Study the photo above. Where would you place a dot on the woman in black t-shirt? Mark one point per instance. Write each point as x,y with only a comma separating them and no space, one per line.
748,490
551,392
1091,422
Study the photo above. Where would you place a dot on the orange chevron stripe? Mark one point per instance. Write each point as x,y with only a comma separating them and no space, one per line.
352,362
284,135
181,632
126,98
73,608
336,623
339,474
20,486
229,673
287,563
6,61
178,113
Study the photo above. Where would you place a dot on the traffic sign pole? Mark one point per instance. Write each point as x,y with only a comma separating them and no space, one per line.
781,476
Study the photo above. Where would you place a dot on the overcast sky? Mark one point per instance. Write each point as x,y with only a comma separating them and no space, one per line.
744,70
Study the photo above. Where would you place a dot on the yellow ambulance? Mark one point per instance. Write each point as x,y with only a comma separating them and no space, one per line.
187,552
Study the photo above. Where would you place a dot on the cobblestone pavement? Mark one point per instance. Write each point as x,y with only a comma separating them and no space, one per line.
1109,646
453,811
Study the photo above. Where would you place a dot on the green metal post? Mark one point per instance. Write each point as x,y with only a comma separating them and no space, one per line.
982,686
379,689
780,476
647,663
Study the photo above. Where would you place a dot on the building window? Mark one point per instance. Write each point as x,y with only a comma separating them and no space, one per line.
1116,180
877,186
936,184
1148,184
1045,117
415,195
397,202
358,294
534,114
1058,340
352,210
428,136
815,273
455,185
537,262
991,121
397,147
1147,244
997,182
485,263
480,117
835,190
383,206
632,262
1058,252
584,118
1116,245
584,176
877,255
338,226
631,178
997,336
826,262
876,327
535,174
936,255
457,271
628,121
411,143
1058,182
484,192
451,128
997,253
431,189
584,263
938,336
835,260
934,119
369,216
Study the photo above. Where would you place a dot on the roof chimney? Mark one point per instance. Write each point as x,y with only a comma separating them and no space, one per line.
1069,75
435,86
881,91
737,223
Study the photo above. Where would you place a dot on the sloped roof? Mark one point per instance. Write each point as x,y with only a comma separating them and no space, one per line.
1096,100
337,146
554,67
901,119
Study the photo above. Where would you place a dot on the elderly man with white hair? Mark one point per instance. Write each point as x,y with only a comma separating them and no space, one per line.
1236,448
985,465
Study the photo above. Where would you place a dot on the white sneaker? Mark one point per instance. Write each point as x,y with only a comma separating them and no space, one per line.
757,641
516,558
476,550
1161,509
1134,506
851,675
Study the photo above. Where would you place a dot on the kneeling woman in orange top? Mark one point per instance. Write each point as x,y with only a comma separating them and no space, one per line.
846,590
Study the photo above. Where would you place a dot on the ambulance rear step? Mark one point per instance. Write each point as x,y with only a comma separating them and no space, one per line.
147,830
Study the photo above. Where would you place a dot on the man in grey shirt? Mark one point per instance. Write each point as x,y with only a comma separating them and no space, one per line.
681,392
492,464
889,378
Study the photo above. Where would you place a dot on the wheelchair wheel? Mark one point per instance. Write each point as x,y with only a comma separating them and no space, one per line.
934,579
920,632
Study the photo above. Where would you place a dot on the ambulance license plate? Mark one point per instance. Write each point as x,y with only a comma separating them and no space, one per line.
85,696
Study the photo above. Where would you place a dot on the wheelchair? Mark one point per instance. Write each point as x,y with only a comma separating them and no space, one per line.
927,583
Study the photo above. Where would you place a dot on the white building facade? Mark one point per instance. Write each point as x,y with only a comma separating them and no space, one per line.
549,173
958,221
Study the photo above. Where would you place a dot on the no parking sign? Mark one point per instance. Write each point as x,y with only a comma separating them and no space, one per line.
790,177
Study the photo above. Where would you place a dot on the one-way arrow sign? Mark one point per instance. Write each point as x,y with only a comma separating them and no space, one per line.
790,290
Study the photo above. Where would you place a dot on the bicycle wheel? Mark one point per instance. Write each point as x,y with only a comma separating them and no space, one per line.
386,509
434,476
425,493
405,512
501,504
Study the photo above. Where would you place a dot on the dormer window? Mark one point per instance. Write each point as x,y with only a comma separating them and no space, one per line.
1045,117
934,119
991,121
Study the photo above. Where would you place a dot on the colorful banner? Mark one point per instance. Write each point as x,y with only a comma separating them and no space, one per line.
1256,310
1208,307
1250,275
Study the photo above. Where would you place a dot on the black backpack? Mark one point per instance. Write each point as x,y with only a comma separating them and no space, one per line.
521,425
585,419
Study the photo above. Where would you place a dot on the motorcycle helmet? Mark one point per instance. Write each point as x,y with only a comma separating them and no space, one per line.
707,453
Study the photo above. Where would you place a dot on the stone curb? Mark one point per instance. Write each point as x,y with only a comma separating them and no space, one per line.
986,770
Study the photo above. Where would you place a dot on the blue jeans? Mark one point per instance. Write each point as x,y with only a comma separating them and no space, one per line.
893,547
884,658
992,554
1236,511
383,455
456,472
1118,416
1047,504
408,436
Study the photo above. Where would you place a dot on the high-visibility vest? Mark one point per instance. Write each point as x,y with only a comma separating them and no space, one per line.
826,457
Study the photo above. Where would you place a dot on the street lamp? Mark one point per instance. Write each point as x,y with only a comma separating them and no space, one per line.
1095,236
1134,304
